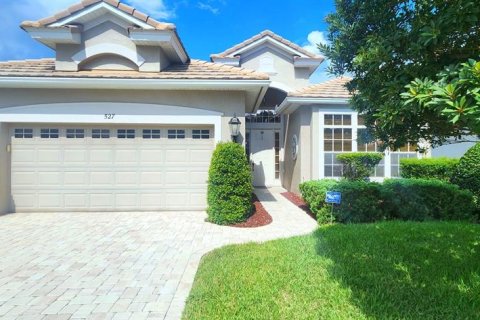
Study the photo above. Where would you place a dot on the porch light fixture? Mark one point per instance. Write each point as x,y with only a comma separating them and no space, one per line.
234,124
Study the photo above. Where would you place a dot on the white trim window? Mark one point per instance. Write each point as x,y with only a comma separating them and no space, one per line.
75,133
23,133
100,133
337,138
176,134
200,134
49,133
125,133
340,131
151,133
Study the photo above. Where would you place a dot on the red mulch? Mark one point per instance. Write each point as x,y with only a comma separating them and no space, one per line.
259,218
299,202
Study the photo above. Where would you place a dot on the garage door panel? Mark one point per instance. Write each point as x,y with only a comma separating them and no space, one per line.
49,178
126,200
100,200
126,178
50,200
76,200
23,179
199,177
101,156
110,174
151,156
175,156
176,178
75,156
49,155
101,178
75,179
152,178
126,156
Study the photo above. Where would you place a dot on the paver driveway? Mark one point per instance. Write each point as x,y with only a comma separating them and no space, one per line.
117,265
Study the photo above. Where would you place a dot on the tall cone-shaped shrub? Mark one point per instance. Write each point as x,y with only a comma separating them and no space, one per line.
230,185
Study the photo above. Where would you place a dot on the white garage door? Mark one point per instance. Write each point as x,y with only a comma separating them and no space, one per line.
126,168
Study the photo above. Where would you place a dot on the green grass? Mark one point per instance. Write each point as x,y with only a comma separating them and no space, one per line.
392,270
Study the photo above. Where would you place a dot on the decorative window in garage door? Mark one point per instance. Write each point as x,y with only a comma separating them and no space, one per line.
126,133
176,134
75,133
23,133
100,133
151,134
47,133
201,134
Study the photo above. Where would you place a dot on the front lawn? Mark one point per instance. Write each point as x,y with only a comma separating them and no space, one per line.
391,270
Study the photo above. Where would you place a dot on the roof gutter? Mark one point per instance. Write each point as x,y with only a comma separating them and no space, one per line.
133,84
291,104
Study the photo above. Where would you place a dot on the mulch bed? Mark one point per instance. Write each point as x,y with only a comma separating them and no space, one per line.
299,202
259,218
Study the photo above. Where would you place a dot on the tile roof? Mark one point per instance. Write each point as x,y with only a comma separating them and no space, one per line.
266,33
334,88
87,3
195,69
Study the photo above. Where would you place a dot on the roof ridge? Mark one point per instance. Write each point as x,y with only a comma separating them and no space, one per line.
45,22
259,36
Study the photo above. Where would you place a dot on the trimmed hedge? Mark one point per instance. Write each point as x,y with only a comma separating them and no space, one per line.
230,185
426,199
404,199
467,175
432,168
359,165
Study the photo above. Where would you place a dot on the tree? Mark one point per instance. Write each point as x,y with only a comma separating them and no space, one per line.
387,44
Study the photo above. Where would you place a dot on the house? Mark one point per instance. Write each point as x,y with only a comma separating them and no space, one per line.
122,119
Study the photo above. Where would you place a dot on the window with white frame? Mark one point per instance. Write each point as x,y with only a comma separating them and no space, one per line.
407,151
176,134
151,134
201,134
75,133
100,133
23,133
126,133
49,133
337,138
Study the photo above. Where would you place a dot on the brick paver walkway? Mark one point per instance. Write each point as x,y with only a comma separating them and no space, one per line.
117,265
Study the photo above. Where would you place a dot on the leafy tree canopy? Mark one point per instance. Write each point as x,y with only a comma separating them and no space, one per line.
387,45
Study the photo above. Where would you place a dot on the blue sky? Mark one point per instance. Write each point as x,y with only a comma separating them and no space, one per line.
205,26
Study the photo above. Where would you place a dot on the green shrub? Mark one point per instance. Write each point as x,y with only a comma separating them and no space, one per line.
433,168
404,199
314,192
424,199
359,165
361,202
467,174
229,185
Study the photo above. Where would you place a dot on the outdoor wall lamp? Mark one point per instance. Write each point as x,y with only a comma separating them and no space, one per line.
234,124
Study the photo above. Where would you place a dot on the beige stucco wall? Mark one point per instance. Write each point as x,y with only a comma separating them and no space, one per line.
105,34
226,102
299,170
286,73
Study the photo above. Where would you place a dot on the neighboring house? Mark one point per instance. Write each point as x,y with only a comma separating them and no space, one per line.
123,119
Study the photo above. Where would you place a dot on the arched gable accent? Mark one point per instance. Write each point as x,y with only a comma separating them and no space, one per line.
108,49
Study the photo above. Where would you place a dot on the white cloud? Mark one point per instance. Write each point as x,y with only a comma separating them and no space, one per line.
314,38
208,7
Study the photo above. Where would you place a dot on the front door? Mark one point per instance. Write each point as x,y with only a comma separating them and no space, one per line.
264,154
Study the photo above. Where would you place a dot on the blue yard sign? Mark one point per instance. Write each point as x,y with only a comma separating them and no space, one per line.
333,197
